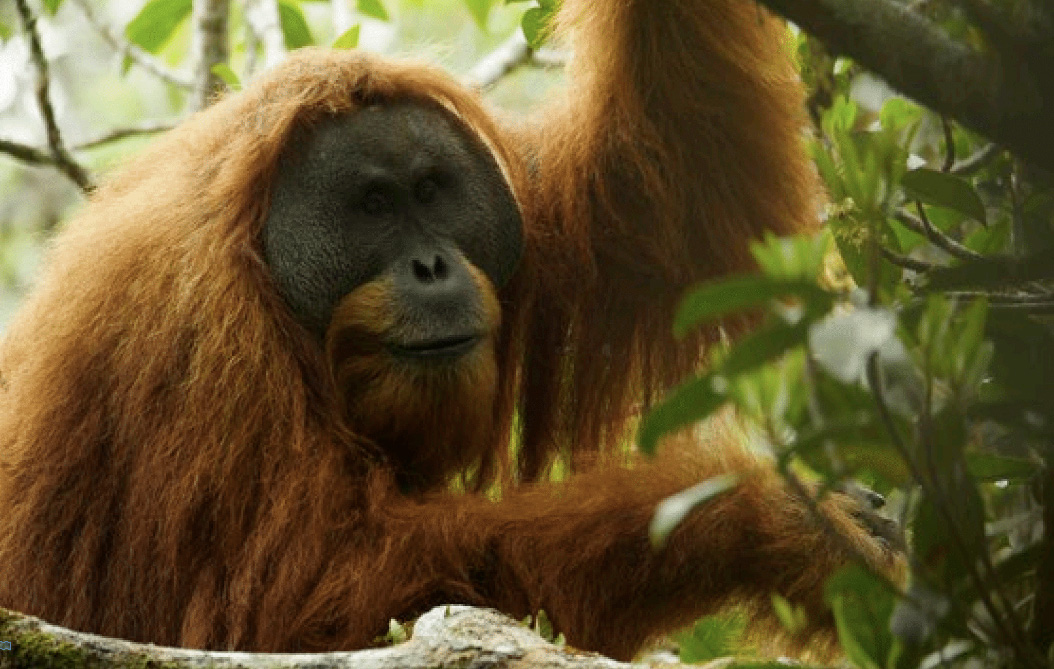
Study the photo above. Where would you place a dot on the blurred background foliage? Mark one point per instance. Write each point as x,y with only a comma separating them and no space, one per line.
907,346
95,89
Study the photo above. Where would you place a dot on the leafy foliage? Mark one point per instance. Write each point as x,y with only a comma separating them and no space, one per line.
155,23
913,354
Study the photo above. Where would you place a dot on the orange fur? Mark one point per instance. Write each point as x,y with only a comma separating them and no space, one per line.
181,463
407,407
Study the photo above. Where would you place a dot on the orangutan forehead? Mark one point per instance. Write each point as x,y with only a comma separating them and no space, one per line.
386,134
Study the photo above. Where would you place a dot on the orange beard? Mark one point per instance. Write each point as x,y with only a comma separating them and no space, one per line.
433,419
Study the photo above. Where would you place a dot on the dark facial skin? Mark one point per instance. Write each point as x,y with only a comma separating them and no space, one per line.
400,192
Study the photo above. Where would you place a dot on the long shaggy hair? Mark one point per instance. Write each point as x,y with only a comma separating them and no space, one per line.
179,465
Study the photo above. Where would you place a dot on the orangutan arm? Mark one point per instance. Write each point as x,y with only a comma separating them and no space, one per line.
580,551
680,141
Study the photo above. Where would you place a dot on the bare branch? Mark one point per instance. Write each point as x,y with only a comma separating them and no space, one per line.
509,55
25,153
209,46
1023,300
924,227
145,128
262,19
949,144
252,45
443,638
549,58
126,49
1001,98
977,160
60,156
342,19
907,262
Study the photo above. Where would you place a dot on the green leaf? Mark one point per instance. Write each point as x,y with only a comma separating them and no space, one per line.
374,9
774,394
543,627
898,113
480,10
396,632
52,6
792,617
155,23
349,39
727,296
858,445
991,240
688,403
224,71
840,117
536,26
295,30
945,190
795,257
762,346
987,466
862,608
853,234
712,637
675,508
5,31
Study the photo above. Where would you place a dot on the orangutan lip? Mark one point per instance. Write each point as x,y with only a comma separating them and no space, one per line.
443,347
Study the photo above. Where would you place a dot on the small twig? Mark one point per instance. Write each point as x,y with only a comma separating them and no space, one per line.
25,153
922,226
549,58
61,157
209,47
949,144
1004,300
508,56
125,48
145,128
907,262
252,43
261,18
342,18
1001,298
977,160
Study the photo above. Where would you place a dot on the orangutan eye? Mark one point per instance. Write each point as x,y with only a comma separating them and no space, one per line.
426,190
376,203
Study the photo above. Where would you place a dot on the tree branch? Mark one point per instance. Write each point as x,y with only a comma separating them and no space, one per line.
128,50
209,46
549,58
977,160
61,158
25,153
509,55
924,227
144,128
907,262
1003,99
342,19
444,638
262,19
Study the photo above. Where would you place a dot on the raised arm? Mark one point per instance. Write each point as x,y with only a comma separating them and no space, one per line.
679,141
